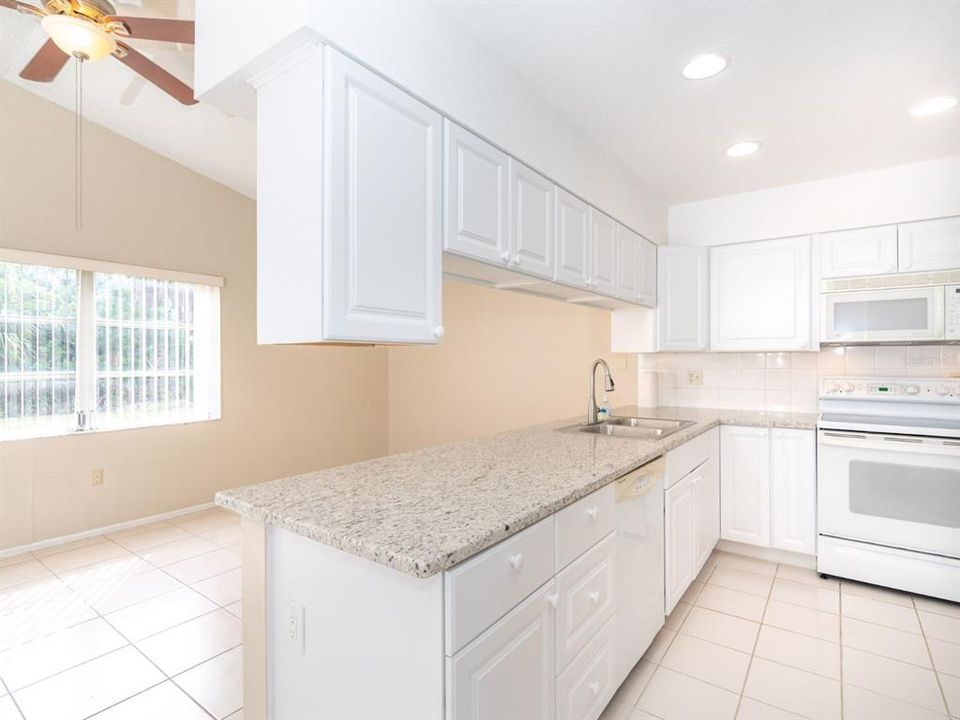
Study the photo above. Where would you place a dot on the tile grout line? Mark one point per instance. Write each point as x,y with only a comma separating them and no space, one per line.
756,640
16,705
933,665
840,618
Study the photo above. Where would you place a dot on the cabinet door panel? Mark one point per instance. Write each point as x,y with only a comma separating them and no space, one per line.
648,274
382,269
573,240
760,295
682,310
745,485
628,264
509,671
930,245
531,211
706,483
793,490
603,247
477,184
680,542
867,251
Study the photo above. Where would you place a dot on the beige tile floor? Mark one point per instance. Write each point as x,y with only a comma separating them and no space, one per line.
761,641
141,624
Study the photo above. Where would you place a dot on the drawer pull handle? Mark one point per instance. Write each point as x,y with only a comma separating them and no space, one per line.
516,561
593,512
553,599
594,596
594,687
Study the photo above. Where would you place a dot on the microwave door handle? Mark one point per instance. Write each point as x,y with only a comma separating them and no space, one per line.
892,443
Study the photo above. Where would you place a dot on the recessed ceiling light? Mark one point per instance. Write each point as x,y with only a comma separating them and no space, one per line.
743,148
933,105
704,66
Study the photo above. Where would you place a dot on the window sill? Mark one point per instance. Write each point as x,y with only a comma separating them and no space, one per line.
35,433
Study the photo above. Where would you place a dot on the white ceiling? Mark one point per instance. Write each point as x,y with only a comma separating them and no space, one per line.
824,84
200,137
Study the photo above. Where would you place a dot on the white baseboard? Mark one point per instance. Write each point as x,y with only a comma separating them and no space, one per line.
9,552
770,554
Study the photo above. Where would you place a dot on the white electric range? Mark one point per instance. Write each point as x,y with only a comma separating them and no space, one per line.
888,482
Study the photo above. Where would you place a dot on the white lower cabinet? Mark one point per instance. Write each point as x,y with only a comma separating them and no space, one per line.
691,513
745,473
509,671
586,686
679,543
793,490
768,487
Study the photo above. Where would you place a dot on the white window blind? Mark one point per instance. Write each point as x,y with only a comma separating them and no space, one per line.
85,350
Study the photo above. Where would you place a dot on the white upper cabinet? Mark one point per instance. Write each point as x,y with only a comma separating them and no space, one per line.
793,490
867,251
531,212
648,273
760,295
682,309
349,212
929,245
385,209
603,253
745,485
628,266
476,223
573,240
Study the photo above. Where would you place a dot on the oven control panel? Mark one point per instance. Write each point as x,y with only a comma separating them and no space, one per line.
952,312
905,389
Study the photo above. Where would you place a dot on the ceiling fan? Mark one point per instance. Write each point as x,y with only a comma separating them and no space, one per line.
90,30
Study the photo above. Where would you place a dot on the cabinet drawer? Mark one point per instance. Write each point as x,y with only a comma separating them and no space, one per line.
681,461
586,598
482,589
585,688
581,525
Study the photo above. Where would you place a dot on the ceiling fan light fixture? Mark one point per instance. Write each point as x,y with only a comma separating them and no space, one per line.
78,38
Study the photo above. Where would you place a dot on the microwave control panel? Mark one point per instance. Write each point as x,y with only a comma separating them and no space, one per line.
903,389
952,311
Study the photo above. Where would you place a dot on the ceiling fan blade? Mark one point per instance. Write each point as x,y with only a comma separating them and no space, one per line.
22,7
157,75
46,64
179,31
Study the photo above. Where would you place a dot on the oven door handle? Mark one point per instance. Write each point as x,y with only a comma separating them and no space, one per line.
891,443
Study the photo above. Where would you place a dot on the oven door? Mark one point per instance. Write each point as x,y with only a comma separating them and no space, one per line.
894,490
900,315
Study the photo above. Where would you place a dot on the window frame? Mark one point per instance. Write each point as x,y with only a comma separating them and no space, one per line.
206,329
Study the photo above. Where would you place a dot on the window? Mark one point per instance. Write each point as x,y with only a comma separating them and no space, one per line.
90,348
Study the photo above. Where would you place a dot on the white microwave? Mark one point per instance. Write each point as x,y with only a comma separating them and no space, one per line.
852,314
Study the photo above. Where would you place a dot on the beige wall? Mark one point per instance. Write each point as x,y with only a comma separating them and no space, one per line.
285,409
507,360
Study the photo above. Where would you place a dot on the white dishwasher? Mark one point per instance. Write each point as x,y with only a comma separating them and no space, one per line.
639,567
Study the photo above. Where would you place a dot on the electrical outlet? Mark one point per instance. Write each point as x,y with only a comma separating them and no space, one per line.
694,377
96,477
295,616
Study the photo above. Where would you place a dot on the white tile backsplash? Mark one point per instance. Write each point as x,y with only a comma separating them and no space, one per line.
785,381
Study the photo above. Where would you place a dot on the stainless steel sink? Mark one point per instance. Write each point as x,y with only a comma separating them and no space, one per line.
636,427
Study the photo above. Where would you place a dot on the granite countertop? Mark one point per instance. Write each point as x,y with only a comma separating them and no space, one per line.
424,511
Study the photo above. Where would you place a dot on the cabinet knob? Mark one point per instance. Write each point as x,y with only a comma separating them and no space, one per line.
553,599
438,331
593,512
516,561
505,256
594,596
594,687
